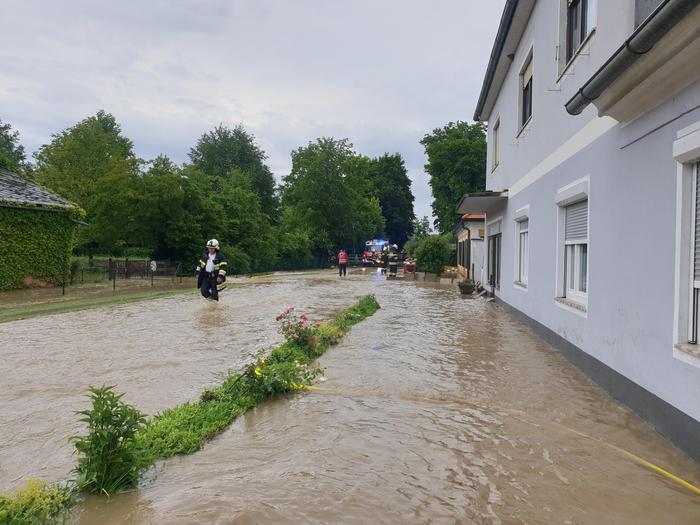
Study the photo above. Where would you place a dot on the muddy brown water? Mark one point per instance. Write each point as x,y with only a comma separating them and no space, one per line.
438,409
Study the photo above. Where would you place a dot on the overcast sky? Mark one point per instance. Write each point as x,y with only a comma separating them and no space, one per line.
382,73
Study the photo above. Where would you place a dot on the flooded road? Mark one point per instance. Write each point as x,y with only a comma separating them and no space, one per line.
436,409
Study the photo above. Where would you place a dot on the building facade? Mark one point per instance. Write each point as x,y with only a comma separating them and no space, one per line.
593,203
471,235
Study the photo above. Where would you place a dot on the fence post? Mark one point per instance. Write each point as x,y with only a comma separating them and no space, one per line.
109,270
126,268
64,282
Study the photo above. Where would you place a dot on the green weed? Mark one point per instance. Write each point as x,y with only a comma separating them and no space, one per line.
34,503
108,456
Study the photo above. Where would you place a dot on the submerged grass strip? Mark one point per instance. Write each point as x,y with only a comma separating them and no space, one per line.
185,428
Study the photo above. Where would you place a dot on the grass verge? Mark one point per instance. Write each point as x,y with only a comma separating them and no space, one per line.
28,311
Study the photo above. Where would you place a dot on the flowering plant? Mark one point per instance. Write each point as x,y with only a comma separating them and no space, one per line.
296,328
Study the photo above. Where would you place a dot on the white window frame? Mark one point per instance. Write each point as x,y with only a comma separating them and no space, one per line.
686,152
496,150
562,48
572,297
526,71
521,264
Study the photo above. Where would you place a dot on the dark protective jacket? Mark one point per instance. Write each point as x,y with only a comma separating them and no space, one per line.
220,266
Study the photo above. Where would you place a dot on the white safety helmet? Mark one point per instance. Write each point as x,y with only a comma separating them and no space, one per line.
213,244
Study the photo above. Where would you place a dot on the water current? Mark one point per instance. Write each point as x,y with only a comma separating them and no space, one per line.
438,409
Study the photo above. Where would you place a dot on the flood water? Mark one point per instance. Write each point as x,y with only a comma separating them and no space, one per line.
438,409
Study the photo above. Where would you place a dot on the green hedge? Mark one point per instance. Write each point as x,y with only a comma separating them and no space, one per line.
36,243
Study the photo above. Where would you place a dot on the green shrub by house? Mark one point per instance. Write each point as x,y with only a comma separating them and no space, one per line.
34,242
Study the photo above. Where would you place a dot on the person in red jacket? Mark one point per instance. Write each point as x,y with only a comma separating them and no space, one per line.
342,263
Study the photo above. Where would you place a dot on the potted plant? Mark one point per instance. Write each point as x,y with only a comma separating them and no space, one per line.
466,286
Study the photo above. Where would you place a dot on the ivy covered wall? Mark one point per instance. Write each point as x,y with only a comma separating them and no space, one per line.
34,243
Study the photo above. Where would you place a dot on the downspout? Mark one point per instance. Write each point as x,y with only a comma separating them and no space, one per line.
654,28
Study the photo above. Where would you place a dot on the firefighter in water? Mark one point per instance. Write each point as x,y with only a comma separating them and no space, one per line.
384,261
343,263
211,271
393,260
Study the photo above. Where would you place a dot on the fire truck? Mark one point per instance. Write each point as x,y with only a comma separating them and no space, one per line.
372,256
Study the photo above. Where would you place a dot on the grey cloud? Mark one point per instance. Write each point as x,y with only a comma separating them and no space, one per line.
379,73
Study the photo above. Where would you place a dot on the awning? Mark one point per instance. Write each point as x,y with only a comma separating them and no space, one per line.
482,202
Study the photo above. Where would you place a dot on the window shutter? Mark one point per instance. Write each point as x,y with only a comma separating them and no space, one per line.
577,221
696,270
523,225
494,229
527,73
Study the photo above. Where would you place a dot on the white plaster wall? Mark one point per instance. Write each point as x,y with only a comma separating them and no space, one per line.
550,125
632,214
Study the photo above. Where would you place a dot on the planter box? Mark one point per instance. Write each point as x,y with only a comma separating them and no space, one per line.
467,290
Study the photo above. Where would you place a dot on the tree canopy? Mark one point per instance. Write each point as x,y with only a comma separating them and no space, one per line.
12,155
456,165
332,198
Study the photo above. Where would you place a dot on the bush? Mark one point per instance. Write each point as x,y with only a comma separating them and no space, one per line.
239,262
433,254
108,459
34,503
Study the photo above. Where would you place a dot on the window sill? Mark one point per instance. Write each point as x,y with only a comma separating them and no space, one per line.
521,286
571,306
577,53
688,348
524,128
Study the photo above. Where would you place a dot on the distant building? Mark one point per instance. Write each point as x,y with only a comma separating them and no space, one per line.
36,233
593,193
470,246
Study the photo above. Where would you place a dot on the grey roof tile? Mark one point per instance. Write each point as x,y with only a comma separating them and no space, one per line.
15,189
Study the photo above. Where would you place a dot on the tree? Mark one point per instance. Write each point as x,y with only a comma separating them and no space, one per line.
93,165
223,150
12,156
77,158
421,229
321,189
456,165
393,189
433,254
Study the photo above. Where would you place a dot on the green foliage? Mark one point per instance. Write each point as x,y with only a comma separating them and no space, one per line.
456,165
108,456
393,189
35,503
34,243
433,254
325,199
80,158
12,155
421,229
222,151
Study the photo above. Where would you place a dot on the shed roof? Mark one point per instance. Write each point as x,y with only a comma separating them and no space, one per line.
15,190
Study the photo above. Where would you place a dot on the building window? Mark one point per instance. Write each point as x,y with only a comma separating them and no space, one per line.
526,92
695,268
496,144
576,252
523,251
494,254
580,21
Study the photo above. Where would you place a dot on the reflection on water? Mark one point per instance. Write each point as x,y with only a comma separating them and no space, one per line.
436,409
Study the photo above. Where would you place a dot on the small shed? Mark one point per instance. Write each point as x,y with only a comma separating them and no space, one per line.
36,233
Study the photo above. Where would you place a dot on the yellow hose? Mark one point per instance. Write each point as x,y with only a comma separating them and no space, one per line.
648,464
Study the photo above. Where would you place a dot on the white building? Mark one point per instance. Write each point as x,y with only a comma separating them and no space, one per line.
593,109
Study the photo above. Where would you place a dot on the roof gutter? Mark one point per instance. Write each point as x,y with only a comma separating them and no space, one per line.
654,28
503,30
